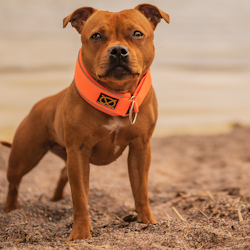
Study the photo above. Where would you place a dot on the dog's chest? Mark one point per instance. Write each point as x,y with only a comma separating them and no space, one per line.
114,126
111,146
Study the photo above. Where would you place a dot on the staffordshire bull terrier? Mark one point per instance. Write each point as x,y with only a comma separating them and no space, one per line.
109,105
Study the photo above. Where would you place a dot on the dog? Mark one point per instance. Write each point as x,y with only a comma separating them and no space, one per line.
109,105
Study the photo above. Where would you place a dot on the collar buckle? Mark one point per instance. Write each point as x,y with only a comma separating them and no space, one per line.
131,111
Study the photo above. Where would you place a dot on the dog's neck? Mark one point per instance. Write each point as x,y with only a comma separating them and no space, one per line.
112,103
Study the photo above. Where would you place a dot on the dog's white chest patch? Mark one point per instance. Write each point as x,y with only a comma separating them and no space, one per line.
114,125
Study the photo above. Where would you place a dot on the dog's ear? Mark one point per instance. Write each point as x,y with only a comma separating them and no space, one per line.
78,18
153,14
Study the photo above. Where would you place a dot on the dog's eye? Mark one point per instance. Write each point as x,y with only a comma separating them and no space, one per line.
138,34
96,36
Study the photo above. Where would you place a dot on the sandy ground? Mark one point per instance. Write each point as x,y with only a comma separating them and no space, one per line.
205,178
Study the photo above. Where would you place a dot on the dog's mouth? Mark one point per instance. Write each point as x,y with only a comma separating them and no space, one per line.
119,71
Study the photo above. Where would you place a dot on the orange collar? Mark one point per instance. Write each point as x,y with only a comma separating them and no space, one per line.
111,103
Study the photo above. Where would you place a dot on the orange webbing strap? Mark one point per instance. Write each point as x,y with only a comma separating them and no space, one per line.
142,90
114,104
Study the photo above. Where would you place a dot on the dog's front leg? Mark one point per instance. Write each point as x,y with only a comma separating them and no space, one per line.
138,164
78,174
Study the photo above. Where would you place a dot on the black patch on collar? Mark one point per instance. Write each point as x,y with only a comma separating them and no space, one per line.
107,101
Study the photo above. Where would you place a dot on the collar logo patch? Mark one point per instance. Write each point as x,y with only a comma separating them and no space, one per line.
107,101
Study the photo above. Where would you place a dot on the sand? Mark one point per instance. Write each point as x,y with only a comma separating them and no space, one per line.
205,178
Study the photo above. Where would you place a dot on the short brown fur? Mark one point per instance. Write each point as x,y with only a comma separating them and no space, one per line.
80,134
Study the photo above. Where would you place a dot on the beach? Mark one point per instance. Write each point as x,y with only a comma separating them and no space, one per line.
200,167
204,178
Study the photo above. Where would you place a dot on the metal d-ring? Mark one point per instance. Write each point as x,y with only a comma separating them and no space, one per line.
131,120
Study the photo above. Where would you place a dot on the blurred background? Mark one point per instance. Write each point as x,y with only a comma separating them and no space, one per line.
201,71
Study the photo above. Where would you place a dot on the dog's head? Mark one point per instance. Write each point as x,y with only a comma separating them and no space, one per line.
117,48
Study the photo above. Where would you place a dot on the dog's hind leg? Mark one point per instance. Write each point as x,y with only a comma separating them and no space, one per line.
29,146
58,194
61,152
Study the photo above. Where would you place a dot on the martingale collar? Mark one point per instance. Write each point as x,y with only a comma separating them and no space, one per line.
111,103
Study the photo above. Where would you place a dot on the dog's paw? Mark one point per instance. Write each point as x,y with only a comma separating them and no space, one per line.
10,207
11,204
146,218
80,231
57,197
79,235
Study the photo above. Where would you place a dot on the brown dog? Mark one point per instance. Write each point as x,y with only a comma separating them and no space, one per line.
117,51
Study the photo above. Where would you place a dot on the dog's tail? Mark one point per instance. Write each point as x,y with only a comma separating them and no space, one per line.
7,144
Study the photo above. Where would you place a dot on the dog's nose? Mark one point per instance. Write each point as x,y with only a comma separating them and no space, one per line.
118,52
